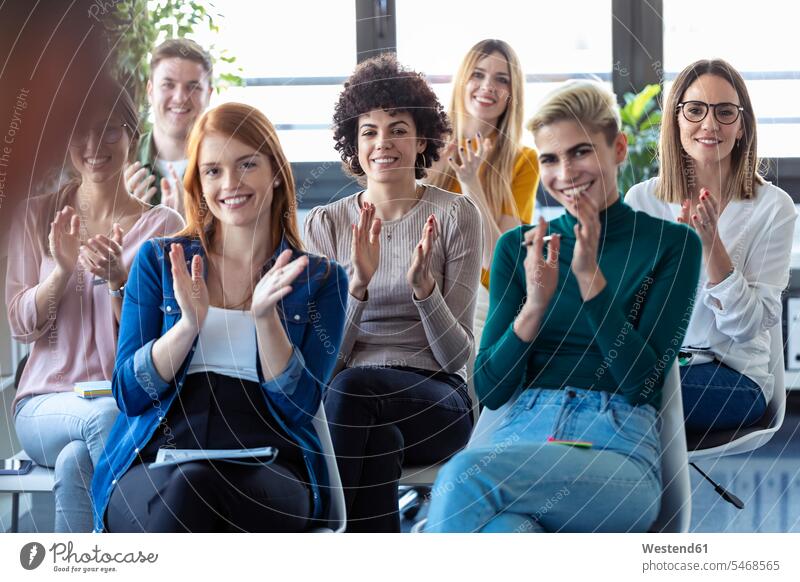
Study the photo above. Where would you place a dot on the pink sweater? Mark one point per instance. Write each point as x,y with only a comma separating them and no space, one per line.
77,341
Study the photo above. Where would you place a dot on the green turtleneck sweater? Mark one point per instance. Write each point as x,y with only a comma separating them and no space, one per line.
623,340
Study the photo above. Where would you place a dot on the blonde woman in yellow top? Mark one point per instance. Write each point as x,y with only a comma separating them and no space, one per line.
485,159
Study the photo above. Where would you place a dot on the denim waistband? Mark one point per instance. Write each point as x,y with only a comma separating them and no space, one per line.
598,399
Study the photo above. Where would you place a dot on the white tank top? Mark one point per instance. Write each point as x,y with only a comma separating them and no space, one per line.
227,345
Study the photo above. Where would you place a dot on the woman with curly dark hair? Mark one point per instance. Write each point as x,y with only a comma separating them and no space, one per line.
413,255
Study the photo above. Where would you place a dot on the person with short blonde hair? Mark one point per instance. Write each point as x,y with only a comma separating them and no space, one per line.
709,180
584,313
585,101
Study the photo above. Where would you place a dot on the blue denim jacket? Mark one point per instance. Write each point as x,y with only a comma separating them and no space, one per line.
313,316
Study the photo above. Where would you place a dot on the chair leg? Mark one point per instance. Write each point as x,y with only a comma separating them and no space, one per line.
721,491
411,500
15,512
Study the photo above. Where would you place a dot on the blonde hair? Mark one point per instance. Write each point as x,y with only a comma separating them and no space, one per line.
498,170
589,103
675,165
251,127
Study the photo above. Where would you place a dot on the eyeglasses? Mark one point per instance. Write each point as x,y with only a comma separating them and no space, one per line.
696,111
109,135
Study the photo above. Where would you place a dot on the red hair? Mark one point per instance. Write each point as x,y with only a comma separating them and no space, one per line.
251,127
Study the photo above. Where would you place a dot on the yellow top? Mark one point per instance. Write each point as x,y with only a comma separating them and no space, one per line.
523,189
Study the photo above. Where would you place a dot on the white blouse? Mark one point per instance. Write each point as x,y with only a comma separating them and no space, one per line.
227,345
733,318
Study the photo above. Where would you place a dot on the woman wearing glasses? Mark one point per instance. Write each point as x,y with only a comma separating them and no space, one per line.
709,180
65,283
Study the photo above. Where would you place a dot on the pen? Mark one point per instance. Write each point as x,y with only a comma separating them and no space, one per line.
546,239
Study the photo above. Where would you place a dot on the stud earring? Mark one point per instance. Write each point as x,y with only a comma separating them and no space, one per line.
276,183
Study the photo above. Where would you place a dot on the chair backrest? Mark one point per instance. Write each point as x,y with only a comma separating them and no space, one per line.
20,370
723,443
337,515
487,421
675,512
676,498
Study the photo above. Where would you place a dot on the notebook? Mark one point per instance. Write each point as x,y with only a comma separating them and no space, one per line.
262,455
93,389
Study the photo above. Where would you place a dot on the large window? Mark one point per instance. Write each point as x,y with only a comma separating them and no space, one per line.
294,56
433,37
760,40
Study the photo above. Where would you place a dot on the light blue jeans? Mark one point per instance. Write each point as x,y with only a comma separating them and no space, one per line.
64,431
520,482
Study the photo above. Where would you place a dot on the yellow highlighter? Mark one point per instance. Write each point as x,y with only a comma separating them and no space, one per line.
580,444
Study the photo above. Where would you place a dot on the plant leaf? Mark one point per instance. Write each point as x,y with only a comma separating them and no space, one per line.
642,100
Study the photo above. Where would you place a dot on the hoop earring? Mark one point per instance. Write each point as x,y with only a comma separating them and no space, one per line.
424,160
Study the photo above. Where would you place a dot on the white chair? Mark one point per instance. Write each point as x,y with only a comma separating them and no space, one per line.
337,516
38,480
734,442
675,512
416,480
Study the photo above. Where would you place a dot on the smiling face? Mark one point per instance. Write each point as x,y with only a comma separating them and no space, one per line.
237,181
99,148
709,141
576,161
388,146
178,92
488,89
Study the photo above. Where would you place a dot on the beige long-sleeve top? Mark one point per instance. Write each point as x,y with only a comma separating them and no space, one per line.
390,327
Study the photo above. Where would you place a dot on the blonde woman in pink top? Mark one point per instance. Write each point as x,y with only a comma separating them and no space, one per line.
69,257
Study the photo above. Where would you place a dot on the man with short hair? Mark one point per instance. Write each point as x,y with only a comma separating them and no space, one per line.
178,90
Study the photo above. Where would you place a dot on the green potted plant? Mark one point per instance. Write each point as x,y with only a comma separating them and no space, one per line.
134,27
641,122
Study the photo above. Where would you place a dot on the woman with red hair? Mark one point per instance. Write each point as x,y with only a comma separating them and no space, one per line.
218,350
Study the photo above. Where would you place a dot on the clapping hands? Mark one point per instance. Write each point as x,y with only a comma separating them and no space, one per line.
419,275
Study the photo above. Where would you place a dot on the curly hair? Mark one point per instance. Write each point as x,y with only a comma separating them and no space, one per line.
382,83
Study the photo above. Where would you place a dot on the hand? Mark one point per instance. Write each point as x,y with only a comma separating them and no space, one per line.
102,257
276,283
65,240
587,237
684,216
468,171
139,182
541,275
440,166
705,219
190,291
172,196
419,275
365,250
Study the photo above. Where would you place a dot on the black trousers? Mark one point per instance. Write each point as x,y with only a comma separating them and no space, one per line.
209,496
213,411
382,418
